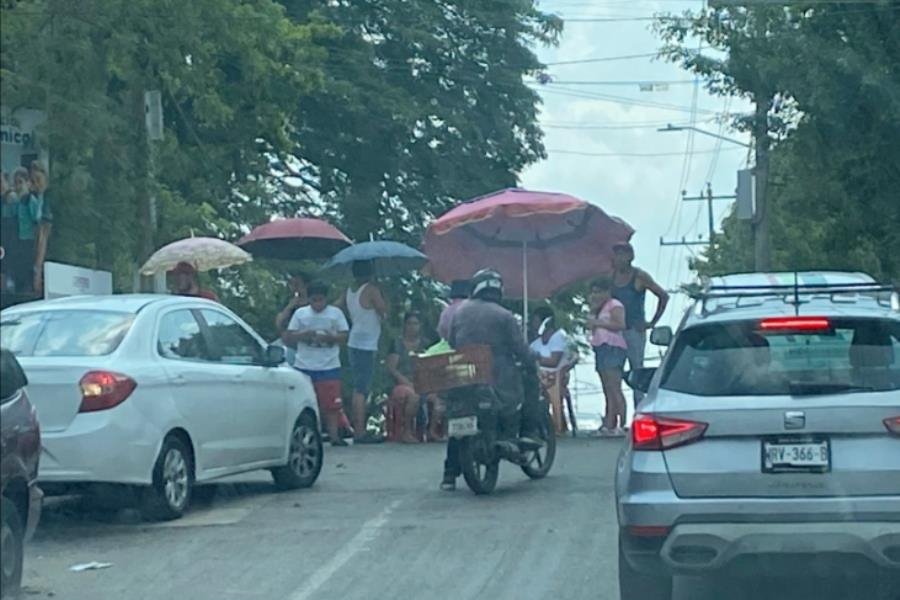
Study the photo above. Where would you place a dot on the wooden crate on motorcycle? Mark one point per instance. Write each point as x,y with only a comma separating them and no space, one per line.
472,365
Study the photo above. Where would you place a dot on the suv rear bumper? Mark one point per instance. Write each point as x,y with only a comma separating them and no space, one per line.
710,534
693,548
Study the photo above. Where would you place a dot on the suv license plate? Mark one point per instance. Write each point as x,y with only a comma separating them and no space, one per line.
791,456
462,426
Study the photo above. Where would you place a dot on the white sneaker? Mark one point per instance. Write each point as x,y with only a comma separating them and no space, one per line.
604,432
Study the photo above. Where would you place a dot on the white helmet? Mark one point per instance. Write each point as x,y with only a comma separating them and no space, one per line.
486,279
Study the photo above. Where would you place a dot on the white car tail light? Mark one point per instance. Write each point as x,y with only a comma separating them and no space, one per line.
101,390
649,432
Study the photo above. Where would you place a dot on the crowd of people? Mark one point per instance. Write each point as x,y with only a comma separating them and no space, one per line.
313,331
26,215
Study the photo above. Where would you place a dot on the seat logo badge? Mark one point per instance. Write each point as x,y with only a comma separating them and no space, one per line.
794,419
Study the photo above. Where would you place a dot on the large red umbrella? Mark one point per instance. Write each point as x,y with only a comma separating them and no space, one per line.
295,239
539,241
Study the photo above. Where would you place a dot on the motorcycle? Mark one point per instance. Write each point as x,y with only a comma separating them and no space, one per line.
476,425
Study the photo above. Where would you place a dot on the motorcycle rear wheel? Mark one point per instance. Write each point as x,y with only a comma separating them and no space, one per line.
480,477
540,461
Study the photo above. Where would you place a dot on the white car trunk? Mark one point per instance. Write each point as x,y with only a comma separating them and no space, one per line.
53,388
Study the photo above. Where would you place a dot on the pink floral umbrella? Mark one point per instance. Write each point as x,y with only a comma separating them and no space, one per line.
541,242
203,253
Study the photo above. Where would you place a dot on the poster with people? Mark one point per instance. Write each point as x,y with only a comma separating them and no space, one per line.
25,200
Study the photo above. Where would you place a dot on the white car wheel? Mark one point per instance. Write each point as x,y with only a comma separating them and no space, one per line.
305,456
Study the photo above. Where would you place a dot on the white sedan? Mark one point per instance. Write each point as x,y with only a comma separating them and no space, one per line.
160,392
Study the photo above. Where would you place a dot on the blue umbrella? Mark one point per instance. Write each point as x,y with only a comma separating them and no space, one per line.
389,258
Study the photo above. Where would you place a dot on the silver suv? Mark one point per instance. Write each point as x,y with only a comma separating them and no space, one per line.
769,439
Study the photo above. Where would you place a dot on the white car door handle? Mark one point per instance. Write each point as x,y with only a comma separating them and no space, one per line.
179,380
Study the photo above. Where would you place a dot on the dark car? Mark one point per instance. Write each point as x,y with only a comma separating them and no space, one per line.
21,445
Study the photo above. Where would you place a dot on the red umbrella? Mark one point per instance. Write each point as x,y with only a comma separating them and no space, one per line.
295,239
539,241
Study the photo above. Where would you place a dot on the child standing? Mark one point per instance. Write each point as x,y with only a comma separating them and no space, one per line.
607,322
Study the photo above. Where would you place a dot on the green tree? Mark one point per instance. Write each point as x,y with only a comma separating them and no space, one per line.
230,74
833,74
374,115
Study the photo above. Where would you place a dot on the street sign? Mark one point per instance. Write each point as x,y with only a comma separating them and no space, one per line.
66,280
153,115
745,205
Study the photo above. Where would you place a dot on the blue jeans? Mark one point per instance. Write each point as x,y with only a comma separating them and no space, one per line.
362,365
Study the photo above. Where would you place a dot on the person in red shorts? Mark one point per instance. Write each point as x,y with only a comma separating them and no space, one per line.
317,331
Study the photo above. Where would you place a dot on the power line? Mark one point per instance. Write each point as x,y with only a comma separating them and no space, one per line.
622,100
634,154
612,19
582,61
601,127
634,82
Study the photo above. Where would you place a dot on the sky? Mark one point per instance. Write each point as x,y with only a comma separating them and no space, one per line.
645,191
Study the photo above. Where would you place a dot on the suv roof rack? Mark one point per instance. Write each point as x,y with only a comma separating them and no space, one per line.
794,290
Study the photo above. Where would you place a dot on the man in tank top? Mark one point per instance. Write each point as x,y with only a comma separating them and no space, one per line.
630,286
366,307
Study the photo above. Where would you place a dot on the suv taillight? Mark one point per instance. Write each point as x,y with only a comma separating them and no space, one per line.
893,425
101,390
649,432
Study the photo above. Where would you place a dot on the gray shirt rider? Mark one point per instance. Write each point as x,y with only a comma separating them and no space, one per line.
480,322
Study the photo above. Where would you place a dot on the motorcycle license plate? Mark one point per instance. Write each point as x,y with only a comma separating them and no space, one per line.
462,426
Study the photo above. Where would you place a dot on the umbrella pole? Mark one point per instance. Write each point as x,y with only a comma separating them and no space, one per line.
525,290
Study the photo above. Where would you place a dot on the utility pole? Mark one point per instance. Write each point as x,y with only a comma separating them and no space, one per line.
762,257
708,197
149,132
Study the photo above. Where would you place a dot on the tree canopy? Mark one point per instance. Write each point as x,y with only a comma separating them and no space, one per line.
375,114
829,74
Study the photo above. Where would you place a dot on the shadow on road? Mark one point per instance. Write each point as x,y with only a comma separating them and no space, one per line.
116,508
771,588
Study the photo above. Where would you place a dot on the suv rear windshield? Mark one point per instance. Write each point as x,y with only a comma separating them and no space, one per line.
64,332
739,359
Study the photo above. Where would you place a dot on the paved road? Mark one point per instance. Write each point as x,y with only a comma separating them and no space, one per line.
374,526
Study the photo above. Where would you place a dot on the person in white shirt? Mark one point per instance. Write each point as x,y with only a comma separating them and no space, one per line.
554,358
317,331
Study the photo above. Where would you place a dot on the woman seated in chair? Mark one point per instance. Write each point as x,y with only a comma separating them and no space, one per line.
552,349
404,400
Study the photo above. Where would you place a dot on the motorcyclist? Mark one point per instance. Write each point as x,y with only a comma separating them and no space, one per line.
481,320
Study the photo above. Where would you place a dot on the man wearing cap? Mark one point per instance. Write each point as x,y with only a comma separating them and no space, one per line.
186,283
630,286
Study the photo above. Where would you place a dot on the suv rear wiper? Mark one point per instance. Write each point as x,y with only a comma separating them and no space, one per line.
811,388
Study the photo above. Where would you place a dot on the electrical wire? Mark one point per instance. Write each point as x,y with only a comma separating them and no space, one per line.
582,61
624,154
634,82
585,95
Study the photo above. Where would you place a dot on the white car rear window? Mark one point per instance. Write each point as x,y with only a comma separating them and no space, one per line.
65,332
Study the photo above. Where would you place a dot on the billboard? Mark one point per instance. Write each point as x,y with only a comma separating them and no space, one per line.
20,138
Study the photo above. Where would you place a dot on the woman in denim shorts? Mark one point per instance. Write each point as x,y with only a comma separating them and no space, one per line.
607,322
